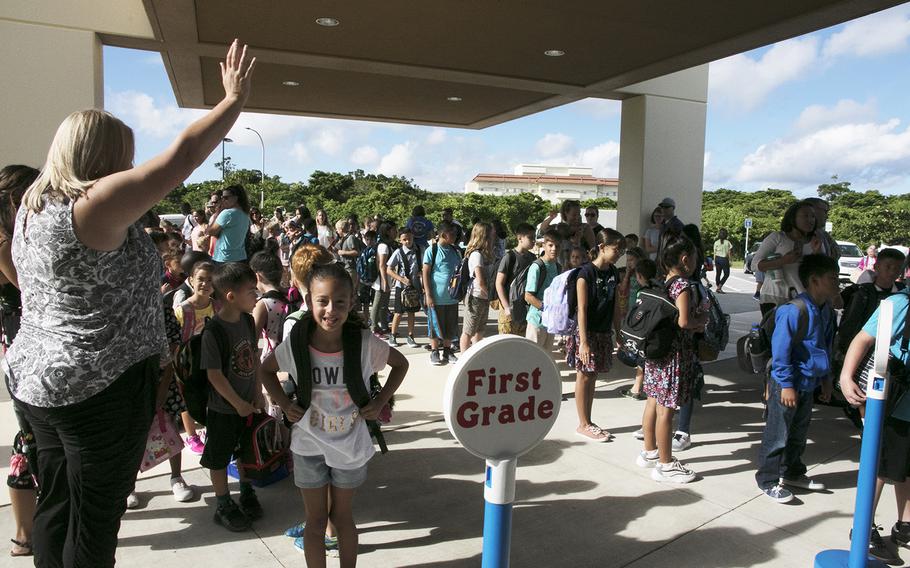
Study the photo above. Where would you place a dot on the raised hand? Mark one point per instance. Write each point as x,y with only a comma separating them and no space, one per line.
237,72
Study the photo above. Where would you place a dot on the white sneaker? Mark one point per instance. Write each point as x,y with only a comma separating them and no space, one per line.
182,491
639,434
132,500
673,472
681,441
647,459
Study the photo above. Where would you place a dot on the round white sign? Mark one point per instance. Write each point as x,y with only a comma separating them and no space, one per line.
502,397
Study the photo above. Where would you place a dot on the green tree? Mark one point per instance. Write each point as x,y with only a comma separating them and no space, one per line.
833,191
601,203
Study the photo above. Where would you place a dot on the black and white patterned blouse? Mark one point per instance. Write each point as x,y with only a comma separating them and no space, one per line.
87,315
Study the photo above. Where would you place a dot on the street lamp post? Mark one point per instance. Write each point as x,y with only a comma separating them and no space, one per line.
223,140
262,171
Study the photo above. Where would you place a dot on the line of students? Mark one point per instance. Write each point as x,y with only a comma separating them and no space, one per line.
797,370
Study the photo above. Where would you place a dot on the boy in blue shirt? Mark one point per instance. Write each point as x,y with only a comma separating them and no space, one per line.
536,331
796,371
440,262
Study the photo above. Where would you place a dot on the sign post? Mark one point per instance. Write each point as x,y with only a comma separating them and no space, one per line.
500,400
876,395
748,225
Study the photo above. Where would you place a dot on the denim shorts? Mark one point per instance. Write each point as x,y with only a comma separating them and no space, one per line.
311,472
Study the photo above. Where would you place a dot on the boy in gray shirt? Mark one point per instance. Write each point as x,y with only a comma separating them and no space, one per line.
229,357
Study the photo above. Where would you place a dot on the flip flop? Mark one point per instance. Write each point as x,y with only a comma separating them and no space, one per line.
20,548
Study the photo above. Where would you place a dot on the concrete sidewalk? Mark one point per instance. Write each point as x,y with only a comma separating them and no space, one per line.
578,503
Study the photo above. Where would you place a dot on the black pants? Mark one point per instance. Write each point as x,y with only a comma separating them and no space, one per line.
722,266
88,456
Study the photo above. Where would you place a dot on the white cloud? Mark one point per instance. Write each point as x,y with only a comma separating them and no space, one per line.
272,127
330,141
436,136
399,161
604,158
742,81
599,108
364,155
300,152
846,111
554,145
861,151
876,34
139,111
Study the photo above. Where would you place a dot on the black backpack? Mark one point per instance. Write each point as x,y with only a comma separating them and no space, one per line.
753,351
192,378
169,296
717,330
518,288
651,325
860,302
352,341
458,286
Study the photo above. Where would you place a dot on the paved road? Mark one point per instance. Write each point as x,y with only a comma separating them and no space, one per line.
739,289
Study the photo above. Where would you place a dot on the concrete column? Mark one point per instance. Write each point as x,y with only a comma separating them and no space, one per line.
48,72
662,147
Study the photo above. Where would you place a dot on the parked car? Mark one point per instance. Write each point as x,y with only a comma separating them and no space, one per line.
850,255
747,266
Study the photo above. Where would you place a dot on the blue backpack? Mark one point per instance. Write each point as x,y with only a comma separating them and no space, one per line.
366,266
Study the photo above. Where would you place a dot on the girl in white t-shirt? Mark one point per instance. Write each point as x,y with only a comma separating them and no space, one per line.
324,230
330,440
481,264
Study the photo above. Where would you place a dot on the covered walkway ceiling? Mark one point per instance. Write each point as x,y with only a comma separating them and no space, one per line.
403,60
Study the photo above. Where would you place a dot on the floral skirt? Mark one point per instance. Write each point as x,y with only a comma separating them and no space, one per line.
670,380
601,345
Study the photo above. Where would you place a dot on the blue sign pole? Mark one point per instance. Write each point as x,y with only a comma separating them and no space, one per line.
498,495
876,394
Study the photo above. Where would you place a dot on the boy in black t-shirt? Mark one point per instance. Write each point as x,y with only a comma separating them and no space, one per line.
512,263
235,392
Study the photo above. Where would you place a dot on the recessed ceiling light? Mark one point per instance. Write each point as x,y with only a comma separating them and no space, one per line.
327,22
290,83
554,53
453,99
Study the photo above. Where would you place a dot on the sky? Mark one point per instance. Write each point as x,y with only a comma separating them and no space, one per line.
790,115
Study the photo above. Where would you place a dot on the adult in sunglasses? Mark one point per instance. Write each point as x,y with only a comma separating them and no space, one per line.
592,214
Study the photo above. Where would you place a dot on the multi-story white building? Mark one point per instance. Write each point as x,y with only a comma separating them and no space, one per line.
552,183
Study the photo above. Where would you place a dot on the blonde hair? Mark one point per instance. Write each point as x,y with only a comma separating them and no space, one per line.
481,240
305,258
89,145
